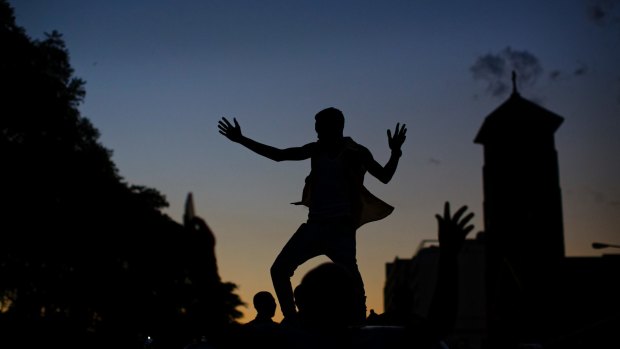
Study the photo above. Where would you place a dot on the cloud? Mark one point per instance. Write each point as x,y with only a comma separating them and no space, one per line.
434,161
496,68
582,69
596,13
557,74
603,12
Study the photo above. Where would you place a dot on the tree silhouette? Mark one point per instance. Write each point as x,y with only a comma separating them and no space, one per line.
84,256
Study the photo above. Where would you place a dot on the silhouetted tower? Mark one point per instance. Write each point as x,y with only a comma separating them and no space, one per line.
522,210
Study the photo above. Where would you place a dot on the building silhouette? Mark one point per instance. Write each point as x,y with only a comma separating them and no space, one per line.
522,216
410,285
525,289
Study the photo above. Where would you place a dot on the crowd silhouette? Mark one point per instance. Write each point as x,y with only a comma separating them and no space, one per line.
138,278
88,260
328,314
134,292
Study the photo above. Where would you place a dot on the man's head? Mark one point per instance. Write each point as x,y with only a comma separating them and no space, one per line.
329,124
326,297
265,304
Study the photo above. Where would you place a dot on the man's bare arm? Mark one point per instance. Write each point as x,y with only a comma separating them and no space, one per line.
452,231
233,132
385,173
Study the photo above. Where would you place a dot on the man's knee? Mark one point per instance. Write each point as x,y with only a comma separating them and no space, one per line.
280,270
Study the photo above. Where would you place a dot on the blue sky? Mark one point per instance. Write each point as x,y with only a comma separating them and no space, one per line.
160,74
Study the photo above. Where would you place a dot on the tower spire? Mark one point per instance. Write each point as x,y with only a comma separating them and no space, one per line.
514,83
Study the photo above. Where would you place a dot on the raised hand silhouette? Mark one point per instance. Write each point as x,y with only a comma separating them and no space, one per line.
453,230
231,132
400,134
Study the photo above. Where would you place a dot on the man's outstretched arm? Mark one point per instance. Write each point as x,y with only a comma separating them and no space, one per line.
233,132
452,231
385,173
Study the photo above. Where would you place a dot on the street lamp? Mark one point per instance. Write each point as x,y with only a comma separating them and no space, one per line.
600,245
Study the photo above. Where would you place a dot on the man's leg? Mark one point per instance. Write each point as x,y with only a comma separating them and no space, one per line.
300,248
342,251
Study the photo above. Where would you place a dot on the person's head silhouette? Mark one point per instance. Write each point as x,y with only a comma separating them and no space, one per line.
329,124
265,305
325,297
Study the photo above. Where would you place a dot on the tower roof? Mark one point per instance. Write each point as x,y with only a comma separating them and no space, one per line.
517,117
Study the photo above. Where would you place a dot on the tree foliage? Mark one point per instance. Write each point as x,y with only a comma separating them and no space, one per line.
84,256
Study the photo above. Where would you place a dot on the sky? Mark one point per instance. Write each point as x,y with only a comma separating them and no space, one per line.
160,74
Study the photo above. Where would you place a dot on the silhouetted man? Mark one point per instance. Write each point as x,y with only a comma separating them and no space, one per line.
337,200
